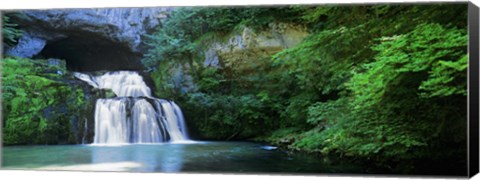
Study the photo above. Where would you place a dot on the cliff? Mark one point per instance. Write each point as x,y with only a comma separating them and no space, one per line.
89,39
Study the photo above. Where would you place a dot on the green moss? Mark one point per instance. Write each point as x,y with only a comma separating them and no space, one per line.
37,106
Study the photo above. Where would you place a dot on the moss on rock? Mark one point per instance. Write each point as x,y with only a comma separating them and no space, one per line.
40,105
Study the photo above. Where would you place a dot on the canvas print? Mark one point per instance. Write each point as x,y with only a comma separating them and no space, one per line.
298,89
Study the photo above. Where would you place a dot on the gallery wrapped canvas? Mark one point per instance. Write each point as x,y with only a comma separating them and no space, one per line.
349,89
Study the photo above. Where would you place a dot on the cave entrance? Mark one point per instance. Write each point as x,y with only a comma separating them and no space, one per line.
85,51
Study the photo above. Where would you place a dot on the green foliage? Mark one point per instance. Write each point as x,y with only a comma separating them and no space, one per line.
446,78
405,88
224,102
177,39
379,83
10,31
391,114
226,116
282,136
211,79
228,106
322,62
430,48
35,105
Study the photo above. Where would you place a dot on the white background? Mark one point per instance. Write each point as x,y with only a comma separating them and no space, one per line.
50,175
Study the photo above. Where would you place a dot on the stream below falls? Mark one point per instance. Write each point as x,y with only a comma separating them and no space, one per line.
226,157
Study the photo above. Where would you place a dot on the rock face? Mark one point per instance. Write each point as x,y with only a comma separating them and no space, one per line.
27,46
94,39
245,45
250,44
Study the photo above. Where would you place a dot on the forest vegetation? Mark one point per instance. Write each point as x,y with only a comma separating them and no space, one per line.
382,83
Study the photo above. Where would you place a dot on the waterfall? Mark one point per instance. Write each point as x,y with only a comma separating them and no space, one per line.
134,116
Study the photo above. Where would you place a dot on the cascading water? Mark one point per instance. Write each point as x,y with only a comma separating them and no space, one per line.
134,116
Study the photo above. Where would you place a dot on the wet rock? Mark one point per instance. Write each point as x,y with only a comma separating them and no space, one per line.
56,62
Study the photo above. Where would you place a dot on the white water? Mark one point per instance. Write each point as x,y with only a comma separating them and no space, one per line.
122,83
111,125
134,116
146,129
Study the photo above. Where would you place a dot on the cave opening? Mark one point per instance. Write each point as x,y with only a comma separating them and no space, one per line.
86,52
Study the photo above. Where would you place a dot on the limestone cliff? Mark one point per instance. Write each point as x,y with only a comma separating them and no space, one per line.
243,45
89,39
248,43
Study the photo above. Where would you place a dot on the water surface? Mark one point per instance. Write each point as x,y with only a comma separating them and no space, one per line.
230,157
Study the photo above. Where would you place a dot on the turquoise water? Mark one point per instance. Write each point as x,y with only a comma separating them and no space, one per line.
234,157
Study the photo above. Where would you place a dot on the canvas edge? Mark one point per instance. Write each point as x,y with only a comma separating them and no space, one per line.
473,90
1,99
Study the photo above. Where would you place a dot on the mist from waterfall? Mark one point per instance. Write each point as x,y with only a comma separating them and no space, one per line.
134,116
